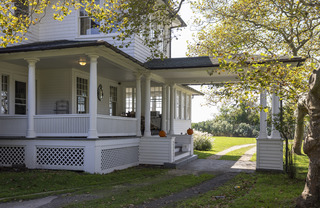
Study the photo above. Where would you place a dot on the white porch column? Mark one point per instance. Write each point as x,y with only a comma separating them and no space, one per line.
172,108
92,133
168,109
164,108
31,111
275,134
263,116
138,103
147,131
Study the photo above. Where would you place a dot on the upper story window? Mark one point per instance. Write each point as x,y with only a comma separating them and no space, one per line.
22,8
4,94
88,26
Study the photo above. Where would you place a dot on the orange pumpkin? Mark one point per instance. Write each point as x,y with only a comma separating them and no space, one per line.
189,131
162,133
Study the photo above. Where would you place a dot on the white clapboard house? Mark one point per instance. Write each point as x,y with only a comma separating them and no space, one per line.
71,100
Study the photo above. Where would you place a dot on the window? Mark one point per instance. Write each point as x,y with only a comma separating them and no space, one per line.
4,94
183,105
156,99
178,104
82,95
88,26
22,8
188,107
20,98
130,99
113,101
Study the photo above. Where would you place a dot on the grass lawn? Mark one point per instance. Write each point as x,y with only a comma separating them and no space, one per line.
130,196
120,188
235,155
255,190
14,185
222,143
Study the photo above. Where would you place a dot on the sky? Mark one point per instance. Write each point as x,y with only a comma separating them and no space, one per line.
200,112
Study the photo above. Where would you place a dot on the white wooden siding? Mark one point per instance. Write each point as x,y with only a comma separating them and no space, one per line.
181,126
141,52
269,154
53,85
156,150
50,29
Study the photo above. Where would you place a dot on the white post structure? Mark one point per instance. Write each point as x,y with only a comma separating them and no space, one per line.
31,111
147,131
164,108
92,133
263,116
275,134
172,108
138,103
269,149
168,109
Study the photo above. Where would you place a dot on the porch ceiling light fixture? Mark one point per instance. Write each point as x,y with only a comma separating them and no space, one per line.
82,61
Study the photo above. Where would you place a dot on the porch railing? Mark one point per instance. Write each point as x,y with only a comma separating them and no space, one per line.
71,125
67,125
13,125
116,126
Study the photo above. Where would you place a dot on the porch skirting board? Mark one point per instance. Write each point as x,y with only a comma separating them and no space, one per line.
93,156
270,154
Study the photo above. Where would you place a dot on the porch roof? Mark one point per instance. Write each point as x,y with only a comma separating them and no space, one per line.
203,70
64,44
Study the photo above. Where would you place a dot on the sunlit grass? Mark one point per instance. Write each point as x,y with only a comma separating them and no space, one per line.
222,143
236,154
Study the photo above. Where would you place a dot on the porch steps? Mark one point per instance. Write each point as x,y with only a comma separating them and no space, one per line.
181,162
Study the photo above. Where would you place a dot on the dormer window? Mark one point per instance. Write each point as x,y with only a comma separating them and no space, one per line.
88,26
22,8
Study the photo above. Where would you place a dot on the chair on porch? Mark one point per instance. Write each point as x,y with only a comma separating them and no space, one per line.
62,107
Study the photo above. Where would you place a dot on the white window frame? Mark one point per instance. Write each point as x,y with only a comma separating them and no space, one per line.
156,99
113,99
90,20
131,100
2,92
85,96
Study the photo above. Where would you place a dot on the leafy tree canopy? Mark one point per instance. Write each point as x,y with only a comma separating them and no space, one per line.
259,30
147,18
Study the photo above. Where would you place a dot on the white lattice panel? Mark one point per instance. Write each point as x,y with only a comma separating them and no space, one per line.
12,155
111,158
60,156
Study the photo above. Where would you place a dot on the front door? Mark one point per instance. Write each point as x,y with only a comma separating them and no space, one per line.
20,98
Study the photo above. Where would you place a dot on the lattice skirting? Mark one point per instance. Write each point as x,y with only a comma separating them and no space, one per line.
93,156
60,156
12,155
111,158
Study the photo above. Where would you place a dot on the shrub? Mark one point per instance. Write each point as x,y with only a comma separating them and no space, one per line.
202,141
243,130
